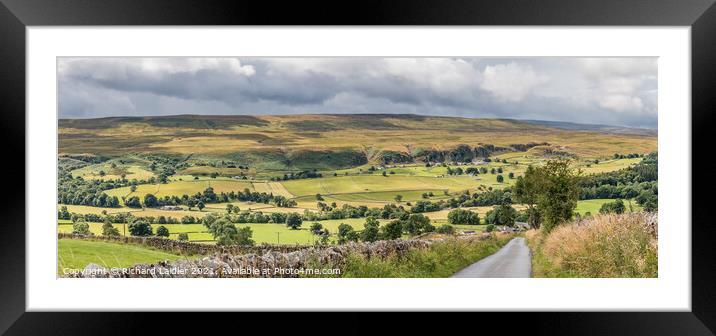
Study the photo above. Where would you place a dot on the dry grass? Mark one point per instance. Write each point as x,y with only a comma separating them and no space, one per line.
326,132
605,246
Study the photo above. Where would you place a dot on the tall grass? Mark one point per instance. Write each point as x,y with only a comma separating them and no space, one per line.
440,259
605,246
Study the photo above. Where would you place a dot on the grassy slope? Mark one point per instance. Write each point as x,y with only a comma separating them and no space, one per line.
179,188
76,254
266,138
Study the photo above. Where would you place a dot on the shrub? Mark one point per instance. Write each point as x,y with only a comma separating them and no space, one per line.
616,207
346,234
140,228
294,221
462,216
316,228
80,227
183,236
109,230
490,228
392,230
446,229
225,232
370,232
162,231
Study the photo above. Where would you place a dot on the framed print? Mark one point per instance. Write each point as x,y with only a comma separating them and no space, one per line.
449,157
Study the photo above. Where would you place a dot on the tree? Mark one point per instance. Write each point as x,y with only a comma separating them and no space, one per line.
109,230
133,188
80,227
384,174
200,205
526,191
398,198
613,207
417,224
557,191
150,201
505,215
140,228
446,229
319,197
511,175
370,232
225,232
162,231
500,179
462,216
316,228
229,208
346,234
183,236
133,202
392,230
294,221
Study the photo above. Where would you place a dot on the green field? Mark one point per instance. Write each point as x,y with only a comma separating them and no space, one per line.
592,206
375,183
351,152
76,254
129,172
179,188
608,165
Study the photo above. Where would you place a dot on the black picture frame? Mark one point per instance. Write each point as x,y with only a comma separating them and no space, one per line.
700,15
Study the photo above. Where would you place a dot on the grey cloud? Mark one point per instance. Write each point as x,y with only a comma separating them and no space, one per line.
613,91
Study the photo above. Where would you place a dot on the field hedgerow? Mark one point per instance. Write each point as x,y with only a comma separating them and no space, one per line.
605,246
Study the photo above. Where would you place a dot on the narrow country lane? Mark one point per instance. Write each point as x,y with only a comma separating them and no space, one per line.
511,261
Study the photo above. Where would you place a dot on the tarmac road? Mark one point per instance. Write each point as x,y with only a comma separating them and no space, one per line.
512,261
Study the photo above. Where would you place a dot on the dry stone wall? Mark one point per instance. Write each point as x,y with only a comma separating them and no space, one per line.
185,248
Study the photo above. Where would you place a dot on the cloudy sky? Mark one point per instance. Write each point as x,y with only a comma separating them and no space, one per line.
612,91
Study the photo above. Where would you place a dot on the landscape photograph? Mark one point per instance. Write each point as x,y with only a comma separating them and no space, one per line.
357,167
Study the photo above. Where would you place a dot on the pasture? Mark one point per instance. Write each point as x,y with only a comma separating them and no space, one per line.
76,254
179,188
351,152
592,206
377,183
105,171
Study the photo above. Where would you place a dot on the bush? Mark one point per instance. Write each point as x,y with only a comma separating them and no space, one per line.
316,228
140,228
225,232
370,233
392,230
183,236
294,221
162,231
109,230
80,227
346,234
462,216
446,229
616,207
490,228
